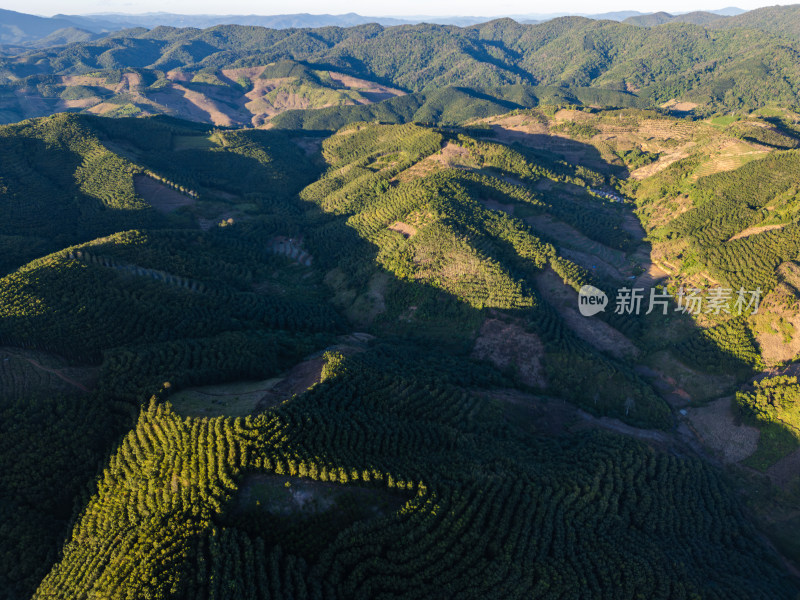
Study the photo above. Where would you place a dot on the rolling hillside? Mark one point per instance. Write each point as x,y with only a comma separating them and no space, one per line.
238,75
342,355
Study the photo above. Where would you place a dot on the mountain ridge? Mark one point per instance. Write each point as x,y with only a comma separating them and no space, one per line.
140,71
23,29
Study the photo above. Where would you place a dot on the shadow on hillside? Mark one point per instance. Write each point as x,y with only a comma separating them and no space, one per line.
563,148
675,331
414,309
50,208
421,311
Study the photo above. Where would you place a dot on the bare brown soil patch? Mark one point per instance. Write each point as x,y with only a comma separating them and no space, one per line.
515,128
178,75
451,156
790,274
308,373
662,163
403,228
679,106
129,82
729,155
777,325
284,100
246,72
526,123
264,102
576,116
754,230
632,225
102,108
661,130
652,275
507,345
203,108
164,199
374,92
715,425
701,280
79,103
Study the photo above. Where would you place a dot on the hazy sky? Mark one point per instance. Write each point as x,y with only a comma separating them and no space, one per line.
367,7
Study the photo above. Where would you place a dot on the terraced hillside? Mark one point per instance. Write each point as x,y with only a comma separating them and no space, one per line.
290,363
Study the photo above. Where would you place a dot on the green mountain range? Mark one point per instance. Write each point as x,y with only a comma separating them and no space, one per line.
328,335
234,75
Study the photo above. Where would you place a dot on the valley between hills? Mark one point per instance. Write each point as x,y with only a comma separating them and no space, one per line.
296,314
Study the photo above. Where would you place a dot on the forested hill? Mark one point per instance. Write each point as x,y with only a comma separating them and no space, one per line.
780,20
267,364
323,336
158,71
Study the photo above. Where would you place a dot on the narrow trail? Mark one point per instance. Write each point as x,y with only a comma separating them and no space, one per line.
57,372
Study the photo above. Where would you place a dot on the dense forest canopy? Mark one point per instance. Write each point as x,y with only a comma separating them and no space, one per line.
225,74
322,337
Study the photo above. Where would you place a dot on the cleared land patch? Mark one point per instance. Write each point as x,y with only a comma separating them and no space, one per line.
307,513
755,230
231,399
299,379
777,327
507,345
591,330
727,156
686,383
404,229
374,92
303,496
787,470
653,274
716,427
163,198
451,156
